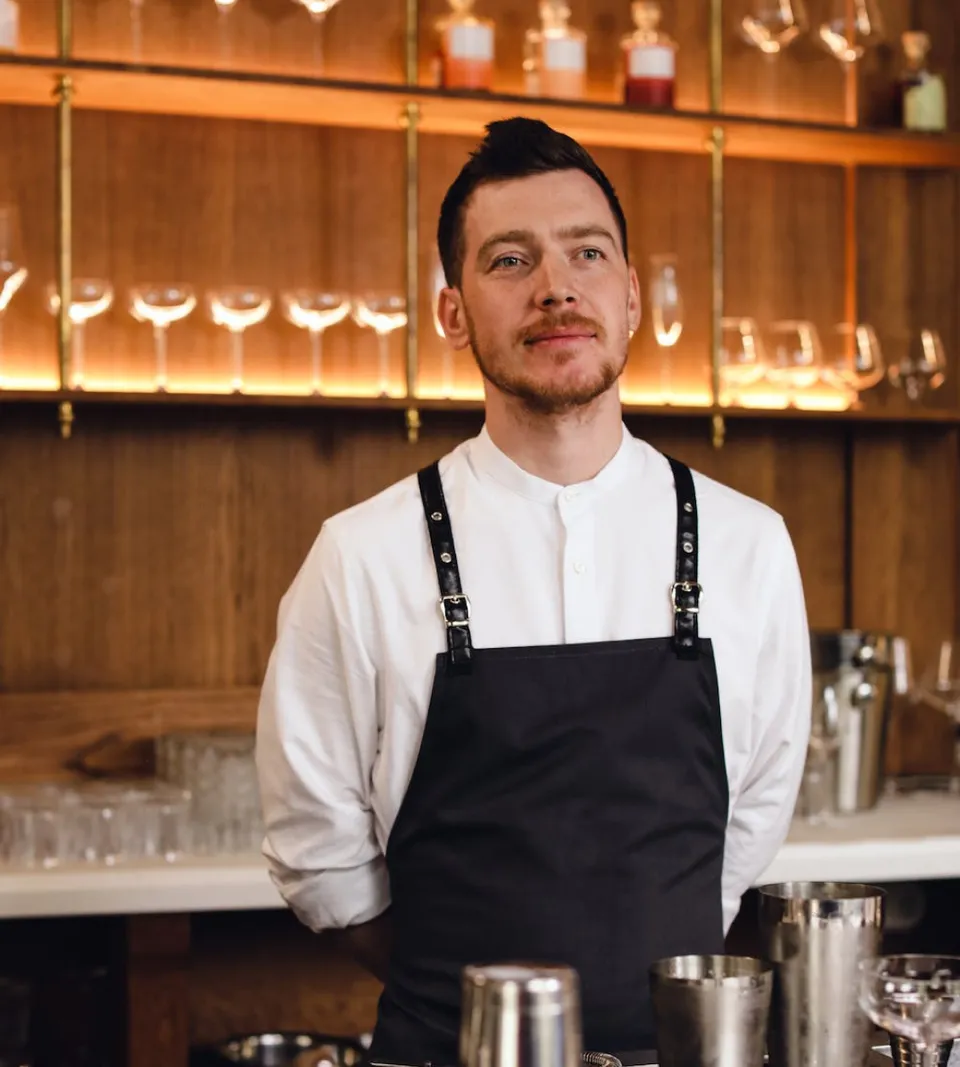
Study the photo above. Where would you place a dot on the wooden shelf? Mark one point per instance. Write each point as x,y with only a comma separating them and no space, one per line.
894,416
272,98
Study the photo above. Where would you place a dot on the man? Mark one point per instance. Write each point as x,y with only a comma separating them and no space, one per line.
549,699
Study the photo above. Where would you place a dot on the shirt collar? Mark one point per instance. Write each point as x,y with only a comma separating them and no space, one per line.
489,462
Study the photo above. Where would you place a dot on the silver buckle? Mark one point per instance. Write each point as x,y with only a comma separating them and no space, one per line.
685,587
455,599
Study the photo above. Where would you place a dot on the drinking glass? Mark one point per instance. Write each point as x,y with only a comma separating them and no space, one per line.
743,357
12,271
383,314
224,7
923,368
318,10
89,297
315,311
161,305
797,360
856,358
238,307
849,38
666,310
915,999
774,25
940,688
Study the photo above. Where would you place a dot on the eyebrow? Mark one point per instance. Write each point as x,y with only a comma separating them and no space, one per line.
527,237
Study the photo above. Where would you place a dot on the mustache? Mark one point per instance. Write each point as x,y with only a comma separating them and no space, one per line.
565,320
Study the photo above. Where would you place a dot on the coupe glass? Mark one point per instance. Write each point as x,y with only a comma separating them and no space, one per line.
848,38
797,360
916,999
318,10
666,310
161,305
923,368
383,315
89,298
856,358
743,358
774,25
315,311
12,271
238,307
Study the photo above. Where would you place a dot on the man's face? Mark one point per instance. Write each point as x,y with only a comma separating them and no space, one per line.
547,300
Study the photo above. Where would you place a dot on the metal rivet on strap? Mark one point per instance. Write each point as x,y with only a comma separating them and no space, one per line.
436,516
687,547
688,507
446,557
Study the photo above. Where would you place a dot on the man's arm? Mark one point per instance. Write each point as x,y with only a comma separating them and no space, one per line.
316,744
369,944
761,814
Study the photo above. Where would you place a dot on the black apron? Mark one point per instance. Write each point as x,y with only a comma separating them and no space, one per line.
568,805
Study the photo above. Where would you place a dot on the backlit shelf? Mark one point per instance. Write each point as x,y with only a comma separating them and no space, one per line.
164,90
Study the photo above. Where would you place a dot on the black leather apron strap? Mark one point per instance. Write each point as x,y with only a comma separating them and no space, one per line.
454,605
685,591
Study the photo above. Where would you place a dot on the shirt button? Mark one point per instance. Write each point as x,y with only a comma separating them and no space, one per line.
571,494
580,568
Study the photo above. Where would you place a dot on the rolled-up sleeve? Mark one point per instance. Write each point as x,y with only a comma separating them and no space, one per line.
316,744
761,813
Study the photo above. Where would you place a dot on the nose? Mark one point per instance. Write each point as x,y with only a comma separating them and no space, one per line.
555,284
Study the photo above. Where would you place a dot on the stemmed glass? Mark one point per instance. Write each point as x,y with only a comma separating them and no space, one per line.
857,361
798,356
12,272
89,297
315,311
916,999
446,368
928,370
666,310
318,10
743,358
161,305
383,314
238,307
775,25
848,40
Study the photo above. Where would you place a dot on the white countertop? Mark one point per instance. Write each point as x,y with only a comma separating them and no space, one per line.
905,838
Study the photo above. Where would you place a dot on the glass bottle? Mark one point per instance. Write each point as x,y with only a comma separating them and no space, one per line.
650,59
922,95
465,49
9,26
555,55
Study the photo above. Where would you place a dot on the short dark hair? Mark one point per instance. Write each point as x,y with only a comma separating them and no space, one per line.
513,148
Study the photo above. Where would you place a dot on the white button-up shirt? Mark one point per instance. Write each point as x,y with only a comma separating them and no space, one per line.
349,680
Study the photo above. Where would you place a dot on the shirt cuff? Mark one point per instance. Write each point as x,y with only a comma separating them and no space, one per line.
335,899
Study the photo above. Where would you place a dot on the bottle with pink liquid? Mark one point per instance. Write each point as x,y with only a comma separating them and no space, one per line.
464,49
649,59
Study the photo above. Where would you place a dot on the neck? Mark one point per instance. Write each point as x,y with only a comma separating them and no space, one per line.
564,449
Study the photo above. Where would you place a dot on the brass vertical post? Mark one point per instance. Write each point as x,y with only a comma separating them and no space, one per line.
718,424
64,211
412,212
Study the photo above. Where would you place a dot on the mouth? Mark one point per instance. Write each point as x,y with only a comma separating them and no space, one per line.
550,338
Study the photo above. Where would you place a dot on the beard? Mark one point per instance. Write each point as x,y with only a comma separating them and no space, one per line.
546,397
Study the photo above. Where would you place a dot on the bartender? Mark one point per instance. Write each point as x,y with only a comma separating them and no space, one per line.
548,699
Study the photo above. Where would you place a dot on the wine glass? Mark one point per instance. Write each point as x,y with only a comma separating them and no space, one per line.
743,357
666,310
315,311
921,369
12,272
89,297
439,283
383,314
856,360
848,39
797,361
775,25
161,305
238,307
916,999
318,10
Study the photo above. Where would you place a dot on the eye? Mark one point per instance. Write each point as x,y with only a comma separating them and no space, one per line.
592,254
508,261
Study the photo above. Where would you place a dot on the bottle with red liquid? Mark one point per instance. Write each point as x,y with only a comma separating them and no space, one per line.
464,49
649,59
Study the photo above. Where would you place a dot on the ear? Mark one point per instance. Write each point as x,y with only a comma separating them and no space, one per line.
453,318
634,303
